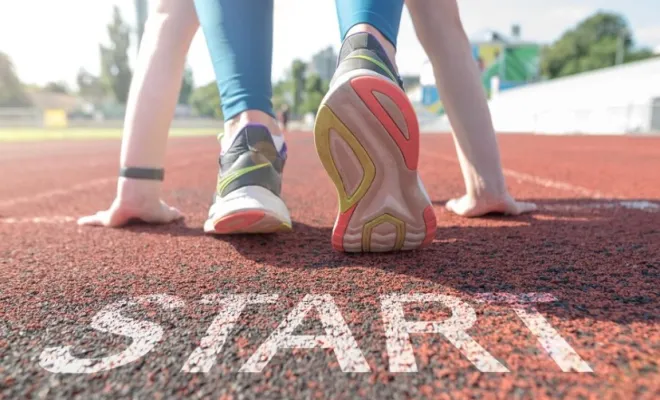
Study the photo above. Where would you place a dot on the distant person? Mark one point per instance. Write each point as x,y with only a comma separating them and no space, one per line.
380,125
480,63
284,117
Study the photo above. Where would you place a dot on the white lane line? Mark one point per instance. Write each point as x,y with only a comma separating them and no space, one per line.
641,205
544,182
57,192
75,188
58,219
549,183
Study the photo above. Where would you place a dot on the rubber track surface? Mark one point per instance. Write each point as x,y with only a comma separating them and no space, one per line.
599,258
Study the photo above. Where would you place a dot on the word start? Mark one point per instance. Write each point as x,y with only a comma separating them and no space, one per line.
145,335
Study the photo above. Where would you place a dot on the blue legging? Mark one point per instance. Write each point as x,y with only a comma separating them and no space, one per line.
239,35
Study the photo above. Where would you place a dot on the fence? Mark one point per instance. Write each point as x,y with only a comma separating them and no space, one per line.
20,117
631,119
37,119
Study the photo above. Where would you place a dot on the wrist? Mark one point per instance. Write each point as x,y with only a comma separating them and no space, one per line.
142,173
138,191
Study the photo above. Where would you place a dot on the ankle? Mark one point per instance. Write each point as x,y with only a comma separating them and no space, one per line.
389,48
234,125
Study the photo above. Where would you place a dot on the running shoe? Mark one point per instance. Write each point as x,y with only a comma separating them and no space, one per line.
247,197
367,136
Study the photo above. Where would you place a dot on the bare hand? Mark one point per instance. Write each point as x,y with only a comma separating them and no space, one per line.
120,214
471,206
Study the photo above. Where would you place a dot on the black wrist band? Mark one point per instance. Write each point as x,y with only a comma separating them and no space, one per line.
154,174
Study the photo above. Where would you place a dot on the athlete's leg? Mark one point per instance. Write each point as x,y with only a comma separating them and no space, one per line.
380,18
239,35
150,109
440,31
368,138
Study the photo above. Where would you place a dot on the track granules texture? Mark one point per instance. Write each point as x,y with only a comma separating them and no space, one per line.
588,263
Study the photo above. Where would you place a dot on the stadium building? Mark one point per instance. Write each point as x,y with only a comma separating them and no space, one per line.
623,99
505,63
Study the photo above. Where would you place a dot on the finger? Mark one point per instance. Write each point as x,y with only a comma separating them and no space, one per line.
108,218
162,215
524,207
464,208
99,219
172,214
452,205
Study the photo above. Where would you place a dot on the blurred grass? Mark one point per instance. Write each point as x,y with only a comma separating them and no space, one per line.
38,134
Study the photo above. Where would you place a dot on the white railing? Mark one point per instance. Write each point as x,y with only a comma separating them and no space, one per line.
35,118
20,117
620,119
632,119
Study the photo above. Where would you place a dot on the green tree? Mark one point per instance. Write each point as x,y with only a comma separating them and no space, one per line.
301,91
595,43
298,69
639,55
57,87
116,72
187,86
205,101
281,92
90,87
12,92
314,91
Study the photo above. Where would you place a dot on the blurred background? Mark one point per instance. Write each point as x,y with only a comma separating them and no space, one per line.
560,67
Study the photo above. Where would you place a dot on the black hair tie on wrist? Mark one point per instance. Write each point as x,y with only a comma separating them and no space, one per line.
154,174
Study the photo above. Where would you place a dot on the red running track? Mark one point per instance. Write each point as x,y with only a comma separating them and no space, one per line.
588,263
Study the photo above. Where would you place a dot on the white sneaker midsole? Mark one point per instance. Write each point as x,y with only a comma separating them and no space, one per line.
249,198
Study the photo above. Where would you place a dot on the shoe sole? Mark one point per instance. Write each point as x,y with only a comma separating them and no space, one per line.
367,136
250,209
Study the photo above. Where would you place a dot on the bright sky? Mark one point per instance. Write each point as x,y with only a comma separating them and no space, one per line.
49,40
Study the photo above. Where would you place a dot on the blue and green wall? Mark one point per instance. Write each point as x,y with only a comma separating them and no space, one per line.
515,65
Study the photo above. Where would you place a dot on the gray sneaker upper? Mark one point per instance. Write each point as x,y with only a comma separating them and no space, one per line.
251,160
363,51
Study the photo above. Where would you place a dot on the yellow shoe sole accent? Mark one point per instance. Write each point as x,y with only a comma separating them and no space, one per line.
326,121
368,228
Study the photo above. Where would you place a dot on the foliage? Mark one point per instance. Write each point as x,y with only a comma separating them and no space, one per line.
597,42
281,94
12,92
302,89
90,87
187,86
298,69
205,101
315,89
116,72
57,87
